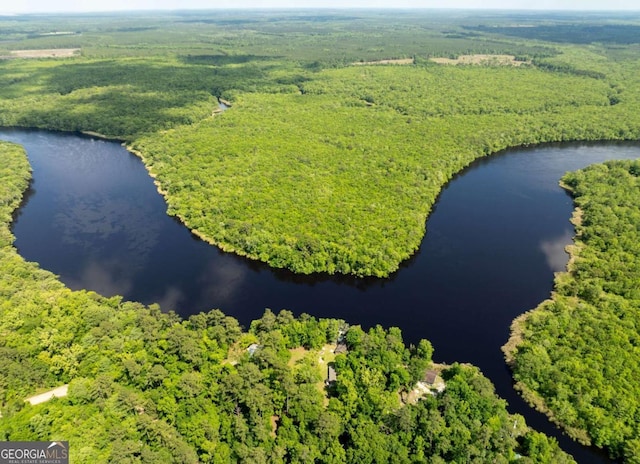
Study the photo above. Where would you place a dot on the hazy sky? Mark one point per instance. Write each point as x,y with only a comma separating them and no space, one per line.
36,6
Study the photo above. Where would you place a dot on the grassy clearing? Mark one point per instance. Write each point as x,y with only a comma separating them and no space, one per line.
296,355
493,60
49,53
320,358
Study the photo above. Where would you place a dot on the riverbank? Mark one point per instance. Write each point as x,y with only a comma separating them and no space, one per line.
171,210
532,398
574,357
518,330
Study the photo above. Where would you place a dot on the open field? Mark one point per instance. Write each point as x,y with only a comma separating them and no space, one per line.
494,60
51,53
58,392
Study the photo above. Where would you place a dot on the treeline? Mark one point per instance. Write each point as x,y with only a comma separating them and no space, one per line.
576,356
578,33
15,173
145,386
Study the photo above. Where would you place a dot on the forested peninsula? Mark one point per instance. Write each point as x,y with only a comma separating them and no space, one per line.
145,386
577,356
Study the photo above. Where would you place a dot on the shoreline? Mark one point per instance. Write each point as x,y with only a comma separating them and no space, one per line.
166,197
517,337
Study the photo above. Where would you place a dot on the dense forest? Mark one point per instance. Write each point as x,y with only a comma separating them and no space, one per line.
145,386
327,161
577,356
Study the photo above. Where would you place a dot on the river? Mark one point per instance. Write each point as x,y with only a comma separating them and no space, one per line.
494,239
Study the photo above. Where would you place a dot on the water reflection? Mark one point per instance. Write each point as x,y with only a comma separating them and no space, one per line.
106,276
173,298
222,284
97,224
555,251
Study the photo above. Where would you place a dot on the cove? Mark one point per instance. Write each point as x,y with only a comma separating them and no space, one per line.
494,239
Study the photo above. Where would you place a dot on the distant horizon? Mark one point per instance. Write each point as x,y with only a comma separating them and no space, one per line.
321,8
113,6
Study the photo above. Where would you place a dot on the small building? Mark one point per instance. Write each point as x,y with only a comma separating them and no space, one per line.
331,375
430,377
253,348
341,348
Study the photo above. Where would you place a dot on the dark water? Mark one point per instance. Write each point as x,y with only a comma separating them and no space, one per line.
498,233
